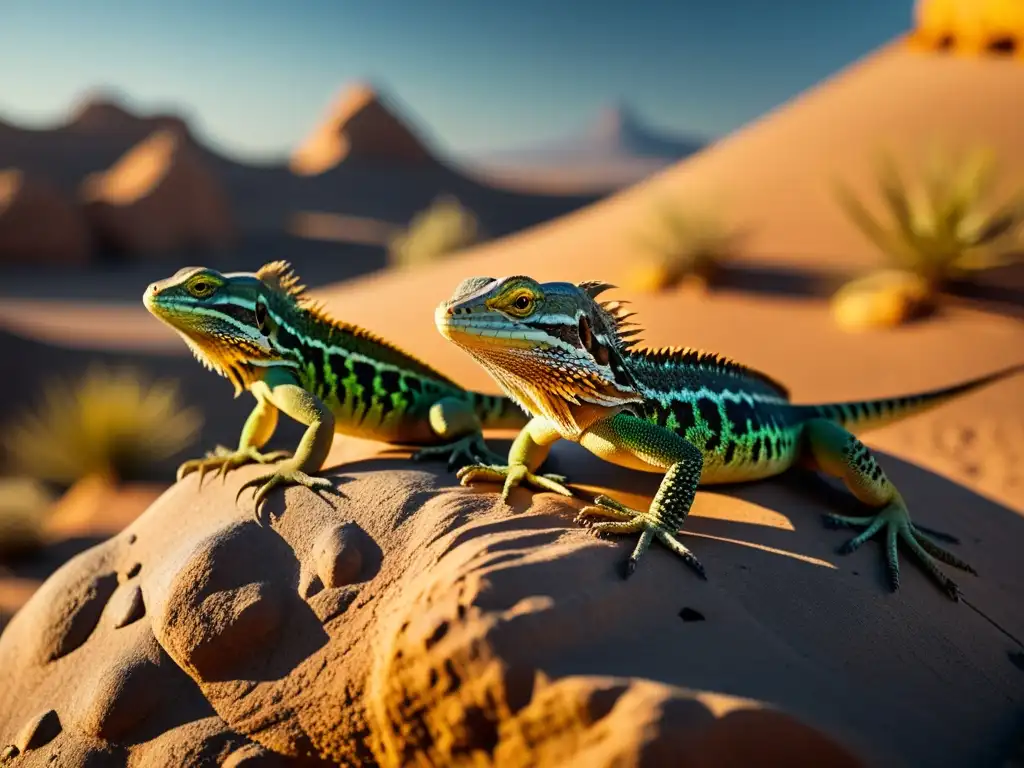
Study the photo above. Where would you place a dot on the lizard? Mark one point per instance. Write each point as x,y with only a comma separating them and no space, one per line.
698,418
265,334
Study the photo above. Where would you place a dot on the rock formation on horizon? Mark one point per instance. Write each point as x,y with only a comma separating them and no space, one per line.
361,127
157,197
102,114
616,145
38,224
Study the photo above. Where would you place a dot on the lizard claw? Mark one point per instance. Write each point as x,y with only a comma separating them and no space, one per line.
512,476
282,476
222,460
469,449
622,519
894,520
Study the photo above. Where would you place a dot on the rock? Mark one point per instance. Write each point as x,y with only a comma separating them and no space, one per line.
128,606
882,299
466,633
361,128
159,196
102,114
337,555
75,613
38,224
39,731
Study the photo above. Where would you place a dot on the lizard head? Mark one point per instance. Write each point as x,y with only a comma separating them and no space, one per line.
226,319
551,346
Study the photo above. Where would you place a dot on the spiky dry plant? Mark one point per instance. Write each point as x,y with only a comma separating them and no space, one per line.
23,507
683,247
110,423
944,228
443,228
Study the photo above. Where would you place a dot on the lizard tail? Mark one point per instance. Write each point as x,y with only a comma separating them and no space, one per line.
862,415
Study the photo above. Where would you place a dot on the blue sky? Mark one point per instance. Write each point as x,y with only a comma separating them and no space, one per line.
253,77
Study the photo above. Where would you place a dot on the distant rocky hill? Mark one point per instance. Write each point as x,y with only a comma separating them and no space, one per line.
616,148
364,160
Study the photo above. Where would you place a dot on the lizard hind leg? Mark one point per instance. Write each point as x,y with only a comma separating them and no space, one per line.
837,452
454,421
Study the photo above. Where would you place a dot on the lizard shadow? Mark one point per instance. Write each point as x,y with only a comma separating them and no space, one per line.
784,515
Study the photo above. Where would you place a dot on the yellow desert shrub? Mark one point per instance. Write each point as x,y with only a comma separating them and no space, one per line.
23,507
110,423
936,231
445,227
682,247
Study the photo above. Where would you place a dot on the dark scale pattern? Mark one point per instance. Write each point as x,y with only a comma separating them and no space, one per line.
709,413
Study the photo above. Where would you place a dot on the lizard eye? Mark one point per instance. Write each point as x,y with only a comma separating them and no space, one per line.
201,289
523,303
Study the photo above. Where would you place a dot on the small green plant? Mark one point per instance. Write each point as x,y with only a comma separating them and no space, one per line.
683,246
942,229
441,229
23,507
110,423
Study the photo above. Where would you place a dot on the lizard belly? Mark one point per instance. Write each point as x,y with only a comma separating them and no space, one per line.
614,454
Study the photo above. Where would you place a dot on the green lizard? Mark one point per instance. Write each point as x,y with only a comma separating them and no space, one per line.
696,417
261,332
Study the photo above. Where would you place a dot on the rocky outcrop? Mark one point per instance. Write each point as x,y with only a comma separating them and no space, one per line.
970,27
409,622
158,197
360,128
38,224
100,114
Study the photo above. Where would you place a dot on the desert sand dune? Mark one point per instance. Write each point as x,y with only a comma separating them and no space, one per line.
159,196
39,224
774,176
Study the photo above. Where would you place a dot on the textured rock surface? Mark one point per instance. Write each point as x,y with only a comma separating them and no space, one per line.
412,622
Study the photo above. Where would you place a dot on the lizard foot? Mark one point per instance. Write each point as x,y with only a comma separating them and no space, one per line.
470,449
285,476
626,520
895,520
512,475
223,460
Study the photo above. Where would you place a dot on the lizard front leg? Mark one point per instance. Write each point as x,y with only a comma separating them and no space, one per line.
259,428
671,504
837,452
454,420
528,451
306,408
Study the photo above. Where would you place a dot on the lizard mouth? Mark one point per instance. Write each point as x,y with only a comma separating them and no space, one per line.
476,330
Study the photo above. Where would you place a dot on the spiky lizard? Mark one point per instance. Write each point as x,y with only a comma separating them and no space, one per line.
699,418
266,335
